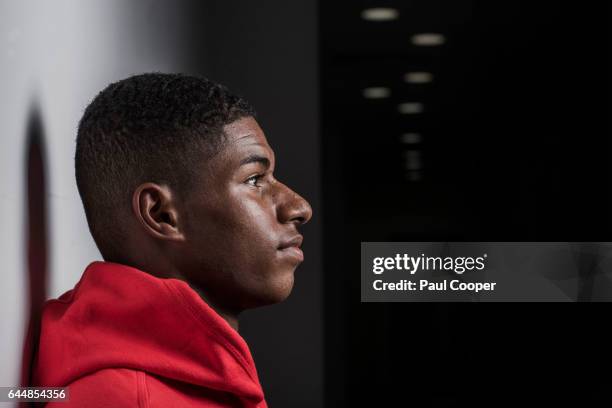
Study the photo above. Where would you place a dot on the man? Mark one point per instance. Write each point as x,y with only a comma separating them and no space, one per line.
177,182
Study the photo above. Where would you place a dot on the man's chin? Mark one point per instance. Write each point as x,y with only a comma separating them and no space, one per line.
278,291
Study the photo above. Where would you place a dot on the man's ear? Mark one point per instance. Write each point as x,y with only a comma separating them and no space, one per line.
155,208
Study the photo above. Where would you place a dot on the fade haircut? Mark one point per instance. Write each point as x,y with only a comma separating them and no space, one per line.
147,128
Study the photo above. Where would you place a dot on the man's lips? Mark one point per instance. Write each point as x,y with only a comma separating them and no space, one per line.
291,247
294,241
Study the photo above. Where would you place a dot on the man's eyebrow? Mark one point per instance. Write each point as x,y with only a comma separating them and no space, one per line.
255,158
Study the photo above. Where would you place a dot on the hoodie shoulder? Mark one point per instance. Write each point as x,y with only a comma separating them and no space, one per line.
112,387
126,388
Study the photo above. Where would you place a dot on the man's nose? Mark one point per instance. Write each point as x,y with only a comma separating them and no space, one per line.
292,208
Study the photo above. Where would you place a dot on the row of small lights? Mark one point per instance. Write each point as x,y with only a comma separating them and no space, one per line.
413,157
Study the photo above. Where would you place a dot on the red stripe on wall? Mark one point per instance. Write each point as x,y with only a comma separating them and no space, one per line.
35,224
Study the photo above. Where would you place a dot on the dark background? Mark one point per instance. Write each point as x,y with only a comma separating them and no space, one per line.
514,147
515,144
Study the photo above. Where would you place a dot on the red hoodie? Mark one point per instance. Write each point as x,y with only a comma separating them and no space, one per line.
124,338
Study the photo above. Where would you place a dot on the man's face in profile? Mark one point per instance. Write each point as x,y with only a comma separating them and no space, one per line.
240,224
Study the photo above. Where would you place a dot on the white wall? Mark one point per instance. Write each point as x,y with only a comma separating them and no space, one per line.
60,54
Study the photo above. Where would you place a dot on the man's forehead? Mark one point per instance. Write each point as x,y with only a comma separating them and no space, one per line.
245,130
245,133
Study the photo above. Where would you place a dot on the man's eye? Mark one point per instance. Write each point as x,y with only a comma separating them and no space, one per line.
254,180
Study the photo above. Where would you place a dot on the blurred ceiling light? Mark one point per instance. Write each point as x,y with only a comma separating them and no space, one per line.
380,14
428,39
414,175
376,92
410,108
411,138
413,160
418,77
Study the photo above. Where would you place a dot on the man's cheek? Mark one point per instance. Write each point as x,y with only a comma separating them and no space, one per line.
259,220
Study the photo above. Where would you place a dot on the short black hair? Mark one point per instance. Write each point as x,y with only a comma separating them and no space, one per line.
151,127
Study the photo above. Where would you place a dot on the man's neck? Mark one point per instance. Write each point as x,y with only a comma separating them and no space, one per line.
229,317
